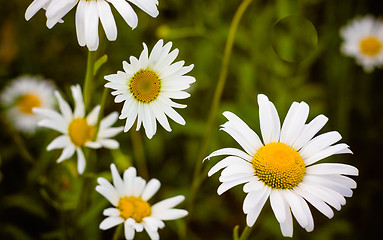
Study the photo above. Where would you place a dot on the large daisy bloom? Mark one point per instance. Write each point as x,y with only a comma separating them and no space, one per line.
88,14
283,167
130,197
147,86
78,130
363,39
21,96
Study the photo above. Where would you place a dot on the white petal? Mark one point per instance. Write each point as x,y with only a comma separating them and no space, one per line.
80,161
80,23
107,20
231,160
66,153
111,195
91,26
111,212
109,143
172,214
139,185
59,142
64,107
167,203
227,185
126,12
269,120
110,222
92,117
150,189
254,212
129,229
254,197
287,225
34,7
230,151
315,201
309,131
293,124
245,130
79,109
332,168
295,204
149,6
117,181
253,185
278,205
336,149
319,143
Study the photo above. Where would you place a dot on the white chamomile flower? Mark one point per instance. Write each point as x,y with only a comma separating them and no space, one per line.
147,86
283,167
130,197
363,39
88,14
77,130
21,96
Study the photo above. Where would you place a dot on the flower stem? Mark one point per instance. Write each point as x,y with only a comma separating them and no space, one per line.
118,232
101,113
198,177
89,76
139,153
246,233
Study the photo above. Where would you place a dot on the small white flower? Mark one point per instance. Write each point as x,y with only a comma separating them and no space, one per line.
130,197
21,96
363,39
77,130
147,86
283,167
88,14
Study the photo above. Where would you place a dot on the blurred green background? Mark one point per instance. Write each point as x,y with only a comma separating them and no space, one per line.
286,49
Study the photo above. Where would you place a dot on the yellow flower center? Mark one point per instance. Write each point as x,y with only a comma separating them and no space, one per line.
145,85
27,102
80,132
279,166
134,207
370,46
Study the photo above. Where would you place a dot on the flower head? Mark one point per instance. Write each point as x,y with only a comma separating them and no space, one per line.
363,39
88,14
147,86
24,94
283,166
130,197
78,130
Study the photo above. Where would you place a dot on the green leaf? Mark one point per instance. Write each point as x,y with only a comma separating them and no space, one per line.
99,63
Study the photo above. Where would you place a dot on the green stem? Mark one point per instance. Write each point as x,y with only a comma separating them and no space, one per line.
197,177
246,233
118,232
89,77
102,107
139,153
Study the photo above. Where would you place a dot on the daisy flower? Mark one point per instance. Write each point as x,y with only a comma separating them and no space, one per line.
283,167
147,86
363,39
130,197
88,14
21,96
77,130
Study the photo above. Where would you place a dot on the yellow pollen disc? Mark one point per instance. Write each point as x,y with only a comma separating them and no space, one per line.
370,46
145,85
279,166
134,207
80,132
27,102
